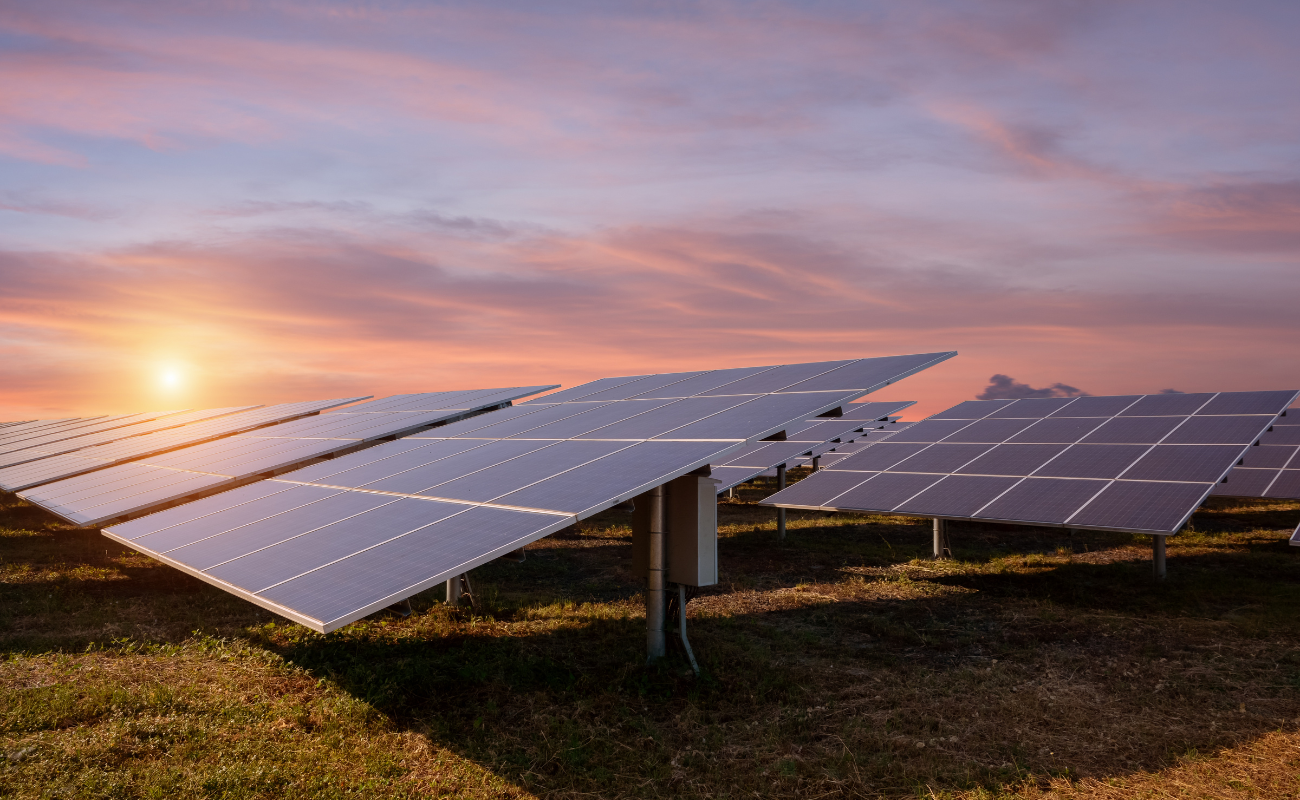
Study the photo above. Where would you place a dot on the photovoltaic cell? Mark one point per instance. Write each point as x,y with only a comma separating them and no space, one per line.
886,490
1287,485
1142,506
1142,464
990,431
1093,461
942,458
957,495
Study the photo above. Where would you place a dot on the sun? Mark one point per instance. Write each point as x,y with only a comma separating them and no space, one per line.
170,379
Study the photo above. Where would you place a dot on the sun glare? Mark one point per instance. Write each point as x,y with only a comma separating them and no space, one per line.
170,379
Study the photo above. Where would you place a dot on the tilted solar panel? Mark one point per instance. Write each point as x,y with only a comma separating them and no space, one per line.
1271,470
1134,463
330,543
58,467
111,430
138,486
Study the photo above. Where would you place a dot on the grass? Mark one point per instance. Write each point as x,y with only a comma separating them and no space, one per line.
841,662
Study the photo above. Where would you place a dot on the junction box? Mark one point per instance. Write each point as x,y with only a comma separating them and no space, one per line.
692,541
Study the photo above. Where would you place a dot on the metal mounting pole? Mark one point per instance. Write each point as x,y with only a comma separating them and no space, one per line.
780,512
656,644
816,463
681,626
453,591
1158,556
941,548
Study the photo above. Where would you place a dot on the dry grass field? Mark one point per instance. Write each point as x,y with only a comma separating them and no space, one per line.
839,663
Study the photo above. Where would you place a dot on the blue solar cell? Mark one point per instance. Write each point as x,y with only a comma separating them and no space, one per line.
703,383
1287,485
494,481
292,557
1249,403
650,384
1097,406
1268,457
1093,461
1013,459
758,417
543,416
1142,506
1133,430
941,458
1184,462
388,465
1283,434
990,431
1219,430
930,430
415,481
973,409
1056,430
1246,482
348,589
957,496
879,457
1158,405
237,512
591,420
1033,408
663,420
885,491
189,512
778,378
584,390
868,373
613,478
1042,500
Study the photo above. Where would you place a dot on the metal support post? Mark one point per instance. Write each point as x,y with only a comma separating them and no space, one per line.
453,591
941,548
816,463
1158,556
681,626
655,597
780,512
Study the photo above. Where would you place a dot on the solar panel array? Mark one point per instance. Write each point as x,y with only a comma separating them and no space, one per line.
138,486
330,543
862,441
811,438
88,459
1133,463
1272,469
67,439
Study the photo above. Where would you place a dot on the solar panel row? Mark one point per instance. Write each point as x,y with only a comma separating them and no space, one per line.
1131,463
66,465
330,543
138,486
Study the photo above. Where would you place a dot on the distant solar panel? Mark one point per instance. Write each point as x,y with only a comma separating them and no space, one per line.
67,465
811,438
330,543
109,429
27,428
1134,463
1271,470
139,486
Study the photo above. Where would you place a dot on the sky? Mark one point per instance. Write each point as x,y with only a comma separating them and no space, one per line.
220,203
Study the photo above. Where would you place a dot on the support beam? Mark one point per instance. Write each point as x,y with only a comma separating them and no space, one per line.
656,599
816,463
453,591
941,547
780,512
1158,557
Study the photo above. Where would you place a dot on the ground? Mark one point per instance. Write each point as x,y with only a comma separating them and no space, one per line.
839,662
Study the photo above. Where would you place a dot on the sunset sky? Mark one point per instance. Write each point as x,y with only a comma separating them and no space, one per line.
219,203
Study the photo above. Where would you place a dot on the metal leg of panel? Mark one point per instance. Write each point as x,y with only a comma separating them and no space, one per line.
655,597
453,591
731,492
1158,557
780,512
941,546
681,627
816,463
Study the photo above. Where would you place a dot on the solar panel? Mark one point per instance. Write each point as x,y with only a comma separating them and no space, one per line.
111,429
1271,470
433,505
1295,537
1143,463
66,465
138,486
